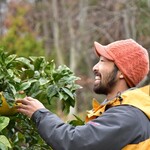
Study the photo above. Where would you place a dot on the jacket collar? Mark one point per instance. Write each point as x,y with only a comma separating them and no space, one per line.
137,97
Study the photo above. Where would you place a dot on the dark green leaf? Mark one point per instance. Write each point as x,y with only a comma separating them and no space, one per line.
27,74
68,92
34,89
9,98
38,62
25,61
77,122
52,90
50,67
11,88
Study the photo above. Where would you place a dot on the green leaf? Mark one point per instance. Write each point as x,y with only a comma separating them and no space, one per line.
4,121
10,58
66,105
68,92
3,146
9,98
52,90
4,141
20,95
77,122
71,101
50,67
10,72
39,62
16,79
43,81
37,74
12,88
2,76
27,74
34,90
61,96
2,58
1,101
25,61
27,84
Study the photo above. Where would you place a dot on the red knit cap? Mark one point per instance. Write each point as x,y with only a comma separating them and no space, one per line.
131,58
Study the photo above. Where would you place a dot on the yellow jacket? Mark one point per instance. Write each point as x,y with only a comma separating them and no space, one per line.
139,98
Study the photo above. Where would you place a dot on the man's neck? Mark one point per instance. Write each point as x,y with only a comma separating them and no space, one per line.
116,90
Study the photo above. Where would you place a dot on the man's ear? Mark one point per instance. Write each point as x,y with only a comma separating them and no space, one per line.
121,76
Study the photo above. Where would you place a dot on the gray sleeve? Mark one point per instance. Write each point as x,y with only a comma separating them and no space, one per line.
117,127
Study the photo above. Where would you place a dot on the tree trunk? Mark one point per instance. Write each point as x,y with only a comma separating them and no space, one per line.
76,42
45,29
73,61
56,32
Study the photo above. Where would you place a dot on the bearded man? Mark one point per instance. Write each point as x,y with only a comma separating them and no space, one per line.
121,121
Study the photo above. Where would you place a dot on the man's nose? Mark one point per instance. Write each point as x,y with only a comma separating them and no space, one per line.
95,67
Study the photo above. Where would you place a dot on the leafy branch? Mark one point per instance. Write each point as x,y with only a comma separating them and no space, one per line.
36,77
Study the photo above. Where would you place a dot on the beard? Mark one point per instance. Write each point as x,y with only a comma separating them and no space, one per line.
106,84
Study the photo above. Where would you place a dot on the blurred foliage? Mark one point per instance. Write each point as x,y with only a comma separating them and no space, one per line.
38,78
19,38
22,134
143,21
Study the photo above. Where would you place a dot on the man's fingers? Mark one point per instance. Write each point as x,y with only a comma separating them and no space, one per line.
28,105
23,111
30,98
24,101
21,106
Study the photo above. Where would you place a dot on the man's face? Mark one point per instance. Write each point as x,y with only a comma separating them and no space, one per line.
105,76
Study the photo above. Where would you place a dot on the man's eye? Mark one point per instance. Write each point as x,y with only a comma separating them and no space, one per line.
101,60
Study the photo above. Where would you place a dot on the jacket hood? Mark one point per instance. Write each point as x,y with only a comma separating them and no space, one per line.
139,97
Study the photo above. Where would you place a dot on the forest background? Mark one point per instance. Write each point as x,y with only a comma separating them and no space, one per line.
65,30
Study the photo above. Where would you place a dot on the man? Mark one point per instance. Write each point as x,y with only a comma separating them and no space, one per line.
121,121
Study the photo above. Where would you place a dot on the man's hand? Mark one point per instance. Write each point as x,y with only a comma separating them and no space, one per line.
28,106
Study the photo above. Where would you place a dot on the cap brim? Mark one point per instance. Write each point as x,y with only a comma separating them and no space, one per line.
101,51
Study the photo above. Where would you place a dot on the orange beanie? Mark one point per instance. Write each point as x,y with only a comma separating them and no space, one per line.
131,58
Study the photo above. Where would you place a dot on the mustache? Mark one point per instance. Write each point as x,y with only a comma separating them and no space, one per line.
98,74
